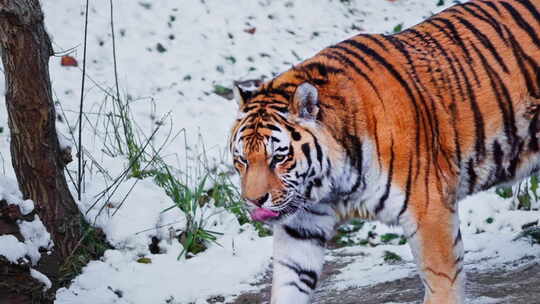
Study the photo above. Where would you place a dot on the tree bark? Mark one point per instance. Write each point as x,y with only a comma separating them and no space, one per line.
25,49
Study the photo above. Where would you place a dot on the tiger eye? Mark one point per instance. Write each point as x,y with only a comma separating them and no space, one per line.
279,158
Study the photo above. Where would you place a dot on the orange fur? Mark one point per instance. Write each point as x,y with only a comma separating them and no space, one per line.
451,106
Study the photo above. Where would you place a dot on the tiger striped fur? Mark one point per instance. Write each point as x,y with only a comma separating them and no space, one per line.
396,128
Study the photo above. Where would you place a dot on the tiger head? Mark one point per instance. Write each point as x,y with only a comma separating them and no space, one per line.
281,150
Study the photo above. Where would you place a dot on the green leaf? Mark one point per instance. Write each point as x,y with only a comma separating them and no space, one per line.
144,260
387,237
504,192
530,233
524,201
391,257
398,28
231,59
534,186
221,90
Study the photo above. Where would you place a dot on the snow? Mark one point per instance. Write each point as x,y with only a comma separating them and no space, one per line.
35,237
26,207
367,266
138,213
34,232
222,270
11,248
203,44
9,190
42,278
63,141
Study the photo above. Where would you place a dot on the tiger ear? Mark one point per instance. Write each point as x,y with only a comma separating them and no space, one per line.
239,95
306,101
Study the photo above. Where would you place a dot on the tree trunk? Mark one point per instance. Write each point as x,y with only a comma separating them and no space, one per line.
25,48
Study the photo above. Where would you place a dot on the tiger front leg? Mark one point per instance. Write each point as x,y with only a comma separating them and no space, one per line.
298,258
437,247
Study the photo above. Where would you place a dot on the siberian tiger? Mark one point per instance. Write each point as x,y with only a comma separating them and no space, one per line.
396,128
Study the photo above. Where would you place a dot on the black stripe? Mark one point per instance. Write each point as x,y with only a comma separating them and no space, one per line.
515,161
460,269
493,6
533,131
308,282
309,188
281,109
457,240
498,155
294,284
522,23
485,42
291,182
291,151
275,139
319,150
291,167
383,199
323,69
480,135
428,39
377,143
356,185
507,111
249,108
335,55
521,57
407,189
271,127
472,175
354,54
454,34
286,85
485,17
271,91
353,147
304,234
294,134
374,39
532,9
457,138
279,118
307,152
337,98
302,273
469,60
245,127
316,212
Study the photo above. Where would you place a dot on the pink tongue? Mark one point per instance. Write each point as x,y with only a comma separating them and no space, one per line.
262,214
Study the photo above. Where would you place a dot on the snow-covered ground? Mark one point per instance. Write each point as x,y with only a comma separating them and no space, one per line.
171,56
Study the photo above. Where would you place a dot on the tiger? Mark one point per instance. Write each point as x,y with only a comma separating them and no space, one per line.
396,128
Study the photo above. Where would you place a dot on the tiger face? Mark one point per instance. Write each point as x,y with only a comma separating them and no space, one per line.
276,150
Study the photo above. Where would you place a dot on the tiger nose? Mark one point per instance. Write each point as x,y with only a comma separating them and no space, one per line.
258,201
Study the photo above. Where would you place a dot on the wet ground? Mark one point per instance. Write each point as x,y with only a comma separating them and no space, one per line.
514,283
